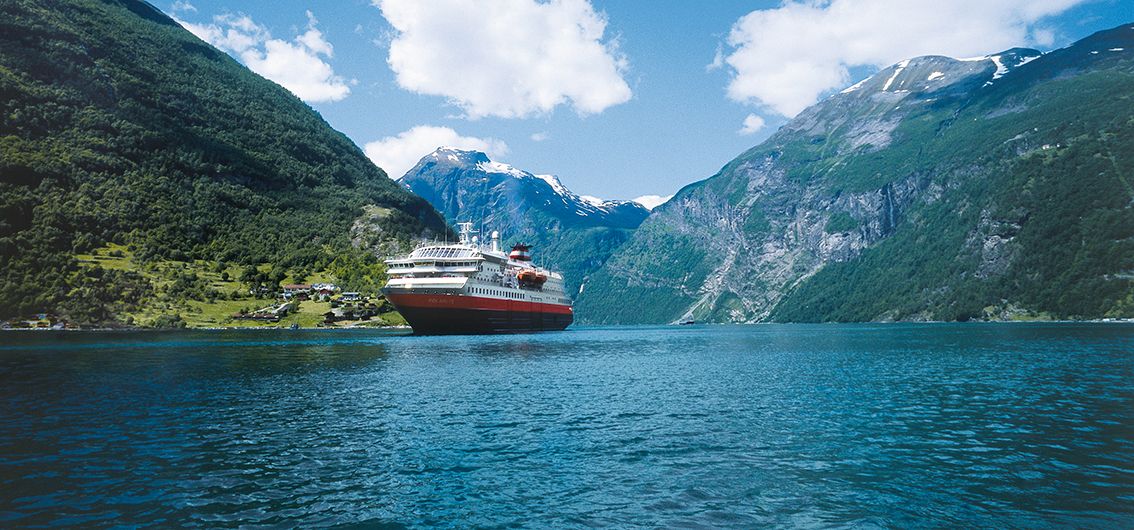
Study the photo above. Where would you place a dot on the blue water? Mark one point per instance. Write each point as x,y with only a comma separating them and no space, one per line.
987,425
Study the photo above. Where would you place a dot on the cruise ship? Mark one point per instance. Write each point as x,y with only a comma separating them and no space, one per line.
468,287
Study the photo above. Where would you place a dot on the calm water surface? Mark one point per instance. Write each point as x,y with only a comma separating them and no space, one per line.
990,425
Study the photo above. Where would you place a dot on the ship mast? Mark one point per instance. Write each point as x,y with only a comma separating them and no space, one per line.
466,231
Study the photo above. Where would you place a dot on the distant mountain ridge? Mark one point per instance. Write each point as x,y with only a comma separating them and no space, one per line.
569,231
453,181
936,189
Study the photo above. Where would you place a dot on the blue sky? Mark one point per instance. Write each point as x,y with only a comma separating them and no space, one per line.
620,99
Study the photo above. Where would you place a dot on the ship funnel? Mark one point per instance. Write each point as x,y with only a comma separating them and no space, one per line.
520,252
495,241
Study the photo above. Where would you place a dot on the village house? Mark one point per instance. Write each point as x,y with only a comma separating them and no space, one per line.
323,291
297,290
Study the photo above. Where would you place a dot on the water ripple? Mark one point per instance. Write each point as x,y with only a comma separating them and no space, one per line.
816,426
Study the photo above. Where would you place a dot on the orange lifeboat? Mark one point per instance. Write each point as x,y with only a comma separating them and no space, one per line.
531,277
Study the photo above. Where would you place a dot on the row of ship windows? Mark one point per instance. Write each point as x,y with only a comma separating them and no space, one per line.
443,252
431,263
507,294
497,292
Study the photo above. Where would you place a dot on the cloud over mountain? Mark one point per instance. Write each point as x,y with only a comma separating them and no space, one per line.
298,65
786,58
506,59
752,124
397,154
652,201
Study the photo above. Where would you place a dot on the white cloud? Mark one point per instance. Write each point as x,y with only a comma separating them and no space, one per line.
297,65
509,59
718,60
398,154
752,124
828,37
540,136
183,5
652,201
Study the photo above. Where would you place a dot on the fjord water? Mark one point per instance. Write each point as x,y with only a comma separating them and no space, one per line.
1002,425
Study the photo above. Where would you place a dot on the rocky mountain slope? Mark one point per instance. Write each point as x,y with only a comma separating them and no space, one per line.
572,233
119,126
938,189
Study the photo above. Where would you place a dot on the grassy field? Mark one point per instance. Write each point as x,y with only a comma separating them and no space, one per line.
232,295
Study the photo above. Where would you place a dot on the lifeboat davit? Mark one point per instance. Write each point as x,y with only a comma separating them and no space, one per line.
531,277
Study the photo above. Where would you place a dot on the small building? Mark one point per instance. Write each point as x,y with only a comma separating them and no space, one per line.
323,291
297,288
351,296
299,291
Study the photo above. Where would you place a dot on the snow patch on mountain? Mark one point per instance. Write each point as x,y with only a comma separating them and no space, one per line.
450,154
935,75
498,167
1003,66
1000,68
901,66
846,90
553,181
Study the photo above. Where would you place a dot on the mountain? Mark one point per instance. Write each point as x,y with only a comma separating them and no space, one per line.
119,126
938,189
573,234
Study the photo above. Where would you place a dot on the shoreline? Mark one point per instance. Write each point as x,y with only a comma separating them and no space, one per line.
249,328
408,328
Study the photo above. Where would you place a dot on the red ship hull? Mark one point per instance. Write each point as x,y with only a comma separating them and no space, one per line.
446,314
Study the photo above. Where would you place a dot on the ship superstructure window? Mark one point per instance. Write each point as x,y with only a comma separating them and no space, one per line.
443,252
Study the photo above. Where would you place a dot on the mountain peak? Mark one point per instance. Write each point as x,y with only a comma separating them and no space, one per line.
453,155
451,176
458,161
934,73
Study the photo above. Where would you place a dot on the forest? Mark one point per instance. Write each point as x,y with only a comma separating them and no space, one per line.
119,127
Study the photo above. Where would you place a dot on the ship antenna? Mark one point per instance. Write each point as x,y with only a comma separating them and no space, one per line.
466,232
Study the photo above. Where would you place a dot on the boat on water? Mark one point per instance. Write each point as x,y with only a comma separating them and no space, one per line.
468,287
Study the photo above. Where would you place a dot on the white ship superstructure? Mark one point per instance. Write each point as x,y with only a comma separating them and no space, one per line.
469,287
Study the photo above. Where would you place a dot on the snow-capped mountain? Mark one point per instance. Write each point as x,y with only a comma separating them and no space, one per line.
574,232
937,189
468,185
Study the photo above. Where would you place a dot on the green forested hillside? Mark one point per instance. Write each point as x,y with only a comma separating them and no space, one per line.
118,126
938,189
1049,232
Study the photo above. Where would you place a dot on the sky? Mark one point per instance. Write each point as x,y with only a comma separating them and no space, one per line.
620,99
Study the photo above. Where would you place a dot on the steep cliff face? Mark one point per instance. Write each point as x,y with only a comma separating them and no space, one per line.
936,189
571,233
